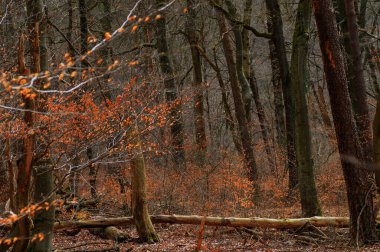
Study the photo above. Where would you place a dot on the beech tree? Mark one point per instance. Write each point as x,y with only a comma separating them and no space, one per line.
356,177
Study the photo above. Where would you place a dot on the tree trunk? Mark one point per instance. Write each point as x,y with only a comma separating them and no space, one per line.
4,175
239,56
262,120
82,6
376,143
249,72
279,109
43,175
69,33
199,121
359,190
300,80
276,28
358,86
140,213
25,162
245,137
171,95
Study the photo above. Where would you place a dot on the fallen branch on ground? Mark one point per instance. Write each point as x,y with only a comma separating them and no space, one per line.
338,222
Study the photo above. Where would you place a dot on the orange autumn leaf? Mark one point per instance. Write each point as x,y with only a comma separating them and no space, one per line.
107,36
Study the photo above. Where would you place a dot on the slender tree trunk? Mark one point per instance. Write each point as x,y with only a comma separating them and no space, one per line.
321,101
300,80
230,122
239,55
249,72
359,190
276,28
4,180
83,23
245,137
171,94
199,123
262,120
69,33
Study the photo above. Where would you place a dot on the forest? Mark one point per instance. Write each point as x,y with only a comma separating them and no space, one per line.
189,125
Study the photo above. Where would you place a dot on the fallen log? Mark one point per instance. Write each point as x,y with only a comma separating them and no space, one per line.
317,221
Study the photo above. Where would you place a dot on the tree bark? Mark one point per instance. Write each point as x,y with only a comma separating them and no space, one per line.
300,81
359,190
43,175
245,137
199,121
358,86
239,56
279,109
25,162
140,213
262,120
276,28
348,21
171,94
376,143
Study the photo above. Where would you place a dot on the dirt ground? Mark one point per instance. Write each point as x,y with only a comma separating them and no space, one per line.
185,238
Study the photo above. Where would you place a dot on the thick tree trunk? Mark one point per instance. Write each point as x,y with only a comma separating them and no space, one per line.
278,99
359,189
245,137
376,143
358,86
140,213
199,121
275,26
25,162
300,81
43,175
348,21
43,220
171,94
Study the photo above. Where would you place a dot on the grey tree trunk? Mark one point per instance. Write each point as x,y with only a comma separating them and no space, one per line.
276,28
300,80
199,123
171,94
245,137
239,56
249,72
279,108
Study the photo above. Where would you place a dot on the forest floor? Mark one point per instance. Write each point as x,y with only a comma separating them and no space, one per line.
186,238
